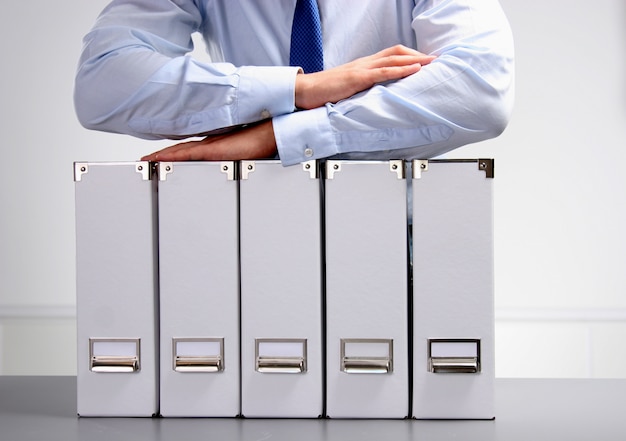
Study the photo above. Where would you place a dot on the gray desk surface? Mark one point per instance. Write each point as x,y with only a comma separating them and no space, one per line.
44,408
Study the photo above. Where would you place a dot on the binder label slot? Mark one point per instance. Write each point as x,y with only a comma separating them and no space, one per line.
198,354
454,356
284,356
366,356
115,355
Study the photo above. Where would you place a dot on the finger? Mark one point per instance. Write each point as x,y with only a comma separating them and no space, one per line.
388,73
400,60
167,151
400,54
399,50
187,152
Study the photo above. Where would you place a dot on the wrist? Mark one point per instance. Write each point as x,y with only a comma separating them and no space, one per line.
303,89
266,140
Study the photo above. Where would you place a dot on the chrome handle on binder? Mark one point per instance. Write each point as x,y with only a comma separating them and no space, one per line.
199,354
285,365
454,356
114,355
353,365
114,364
280,356
454,365
366,356
198,364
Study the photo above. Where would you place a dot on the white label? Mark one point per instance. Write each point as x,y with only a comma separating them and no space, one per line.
198,348
444,349
114,348
281,349
367,349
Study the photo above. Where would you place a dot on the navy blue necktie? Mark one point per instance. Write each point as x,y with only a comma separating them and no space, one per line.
306,37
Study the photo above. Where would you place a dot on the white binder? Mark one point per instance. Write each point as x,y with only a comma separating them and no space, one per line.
116,289
199,289
281,290
366,289
453,322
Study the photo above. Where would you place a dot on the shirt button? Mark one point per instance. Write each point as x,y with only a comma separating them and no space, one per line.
308,152
265,114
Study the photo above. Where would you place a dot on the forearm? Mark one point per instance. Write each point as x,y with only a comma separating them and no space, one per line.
184,98
134,77
251,142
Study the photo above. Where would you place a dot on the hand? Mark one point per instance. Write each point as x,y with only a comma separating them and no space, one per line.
329,86
250,142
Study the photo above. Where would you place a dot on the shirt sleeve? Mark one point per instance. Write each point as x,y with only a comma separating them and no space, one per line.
134,76
464,96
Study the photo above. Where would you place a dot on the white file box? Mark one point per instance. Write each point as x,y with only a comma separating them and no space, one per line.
199,289
281,290
453,321
116,271
366,289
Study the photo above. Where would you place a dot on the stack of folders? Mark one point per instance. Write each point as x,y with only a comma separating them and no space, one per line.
336,289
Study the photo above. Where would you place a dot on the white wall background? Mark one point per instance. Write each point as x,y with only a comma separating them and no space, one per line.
560,205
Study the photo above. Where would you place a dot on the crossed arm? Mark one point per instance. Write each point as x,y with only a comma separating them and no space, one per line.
134,78
313,90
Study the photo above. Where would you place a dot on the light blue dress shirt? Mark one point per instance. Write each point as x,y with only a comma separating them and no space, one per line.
134,76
